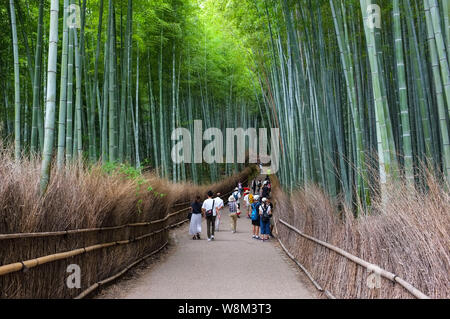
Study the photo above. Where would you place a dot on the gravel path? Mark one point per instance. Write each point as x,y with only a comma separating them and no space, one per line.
231,266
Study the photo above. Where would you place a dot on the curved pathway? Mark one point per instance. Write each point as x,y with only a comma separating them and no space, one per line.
231,266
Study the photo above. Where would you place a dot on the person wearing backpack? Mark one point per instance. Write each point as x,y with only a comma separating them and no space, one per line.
255,217
209,210
265,214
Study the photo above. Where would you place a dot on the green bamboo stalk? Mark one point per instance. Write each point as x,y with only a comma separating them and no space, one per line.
51,96
69,104
79,137
17,106
111,89
403,97
63,89
35,133
438,81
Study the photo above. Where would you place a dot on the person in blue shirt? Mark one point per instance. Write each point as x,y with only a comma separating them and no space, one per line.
255,217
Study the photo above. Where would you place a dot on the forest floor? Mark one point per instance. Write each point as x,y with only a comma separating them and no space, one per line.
231,266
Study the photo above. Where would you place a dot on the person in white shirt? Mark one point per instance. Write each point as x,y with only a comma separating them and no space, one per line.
209,210
237,197
219,206
247,202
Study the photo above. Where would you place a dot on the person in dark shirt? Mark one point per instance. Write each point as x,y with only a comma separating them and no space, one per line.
272,222
195,226
265,190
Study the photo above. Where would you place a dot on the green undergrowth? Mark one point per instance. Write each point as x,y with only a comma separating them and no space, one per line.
128,172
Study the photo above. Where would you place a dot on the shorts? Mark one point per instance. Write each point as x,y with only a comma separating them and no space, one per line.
256,222
265,227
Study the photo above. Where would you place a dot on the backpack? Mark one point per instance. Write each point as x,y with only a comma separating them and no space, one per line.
209,212
265,214
255,213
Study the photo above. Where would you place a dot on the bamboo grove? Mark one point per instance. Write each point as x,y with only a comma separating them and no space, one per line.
359,89
109,80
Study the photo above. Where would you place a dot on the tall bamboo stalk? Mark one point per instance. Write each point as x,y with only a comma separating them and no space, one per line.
51,96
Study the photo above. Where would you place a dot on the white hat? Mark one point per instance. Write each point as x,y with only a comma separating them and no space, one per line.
256,197
236,189
231,198
264,199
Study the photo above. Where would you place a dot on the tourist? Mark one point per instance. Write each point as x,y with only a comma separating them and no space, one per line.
254,186
272,222
240,188
265,190
247,202
195,226
232,206
237,197
219,204
209,210
265,214
259,184
255,217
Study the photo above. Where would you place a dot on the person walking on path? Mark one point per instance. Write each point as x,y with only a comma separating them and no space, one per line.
233,213
195,226
237,197
272,222
248,199
259,184
219,204
209,209
254,186
255,217
265,214
265,190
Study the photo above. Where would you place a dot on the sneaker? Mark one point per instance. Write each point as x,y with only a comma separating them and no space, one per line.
198,236
209,239
212,237
253,236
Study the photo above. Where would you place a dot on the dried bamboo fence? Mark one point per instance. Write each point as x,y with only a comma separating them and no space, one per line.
335,272
34,265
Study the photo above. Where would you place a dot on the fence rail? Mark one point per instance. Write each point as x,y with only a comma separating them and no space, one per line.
127,234
371,267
